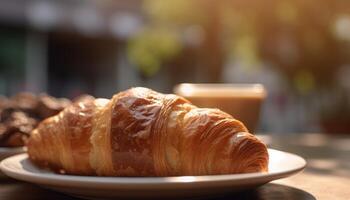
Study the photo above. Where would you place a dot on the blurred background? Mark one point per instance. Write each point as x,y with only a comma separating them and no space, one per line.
299,50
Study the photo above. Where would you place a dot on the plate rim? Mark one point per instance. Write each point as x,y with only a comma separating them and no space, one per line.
5,150
144,182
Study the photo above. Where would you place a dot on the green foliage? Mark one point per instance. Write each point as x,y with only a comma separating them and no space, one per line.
304,81
175,12
245,48
160,41
150,48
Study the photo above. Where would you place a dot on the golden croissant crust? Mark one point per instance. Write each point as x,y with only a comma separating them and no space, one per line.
140,132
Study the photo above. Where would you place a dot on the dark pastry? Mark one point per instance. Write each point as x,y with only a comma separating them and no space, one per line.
48,105
20,114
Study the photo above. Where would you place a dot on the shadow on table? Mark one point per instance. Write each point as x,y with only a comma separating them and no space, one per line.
269,191
15,190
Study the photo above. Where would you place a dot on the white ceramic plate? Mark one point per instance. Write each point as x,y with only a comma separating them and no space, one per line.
10,151
281,165
6,152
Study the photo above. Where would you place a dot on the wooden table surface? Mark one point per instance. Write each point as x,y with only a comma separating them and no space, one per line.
326,177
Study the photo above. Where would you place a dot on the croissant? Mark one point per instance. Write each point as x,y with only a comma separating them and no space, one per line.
140,132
